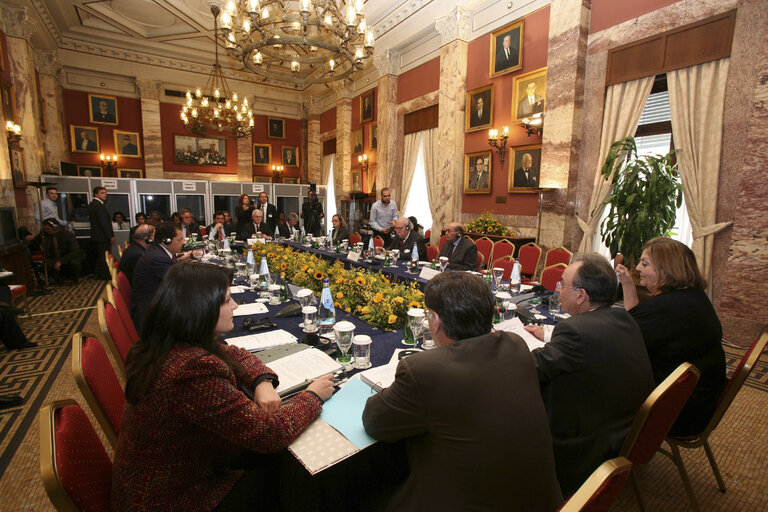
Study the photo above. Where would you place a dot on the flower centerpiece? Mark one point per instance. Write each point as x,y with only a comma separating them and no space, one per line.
487,225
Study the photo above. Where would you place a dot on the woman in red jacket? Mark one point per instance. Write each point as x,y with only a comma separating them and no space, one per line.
186,420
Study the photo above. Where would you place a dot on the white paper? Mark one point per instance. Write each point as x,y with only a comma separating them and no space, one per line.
428,273
526,287
515,326
236,289
255,308
263,340
353,256
303,366
380,376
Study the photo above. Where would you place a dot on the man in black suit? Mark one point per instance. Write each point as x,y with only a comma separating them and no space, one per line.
288,159
256,225
102,235
526,175
507,56
268,212
470,411
219,230
129,148
288,229
103,115
406,237
140,240
261,156
188,224
481,115
461,253
531,104
594,373
86,143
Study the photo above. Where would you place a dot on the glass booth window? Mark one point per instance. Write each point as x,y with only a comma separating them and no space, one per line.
118,203
73,207
225,204
159,202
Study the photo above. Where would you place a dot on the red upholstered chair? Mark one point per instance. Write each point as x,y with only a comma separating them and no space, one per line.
656,416
203,231
507,263
729,393
76,470
124,287
354,238
485,246
551,275
428,234
601,489
97,381
442,242
20,291
501,249
557,255
114,333
480,261
123,309
529,256
378,241
432,252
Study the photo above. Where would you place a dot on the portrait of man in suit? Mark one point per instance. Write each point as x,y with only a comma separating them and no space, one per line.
261,154
127,143
103,109
479,108
531,103
84,139
275,128
526,165
357,141
477,174
129,148
290,155
366,107
506,49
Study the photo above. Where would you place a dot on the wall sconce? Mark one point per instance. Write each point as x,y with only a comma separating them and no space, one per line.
534,124
14,133
363,161
277,170
109,162
499,141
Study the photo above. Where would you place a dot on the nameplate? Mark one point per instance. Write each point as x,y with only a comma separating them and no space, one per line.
428,273
353,256
188,186
257,188
109,184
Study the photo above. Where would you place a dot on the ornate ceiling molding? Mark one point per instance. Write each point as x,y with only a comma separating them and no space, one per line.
399,15
45,16
18,22
387,63
47,63
454,26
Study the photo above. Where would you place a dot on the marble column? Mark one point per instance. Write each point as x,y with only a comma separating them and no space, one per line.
314,154
566,64
389,145
244,159
50,73
151,129
343,166
454,30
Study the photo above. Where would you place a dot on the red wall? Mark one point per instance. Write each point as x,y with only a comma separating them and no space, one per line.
328,120
535,42
607,13
292,138
419,81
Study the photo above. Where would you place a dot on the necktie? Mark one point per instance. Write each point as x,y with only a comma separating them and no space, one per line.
450,251
221,233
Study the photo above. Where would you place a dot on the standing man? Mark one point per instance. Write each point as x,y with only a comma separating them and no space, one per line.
102,236
594,373
50,208
268,212
405,239
471,411
461,253
141,238
188,224
312,212
526,176
383,215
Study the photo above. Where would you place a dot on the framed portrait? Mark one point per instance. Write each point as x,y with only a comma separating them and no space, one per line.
89,170
102,109
529,94
84,139
18,169
357,181
479,109
357,141
290,156
524,168
477,172
127,144
293,180
507,49
129,173
262,179
366,107
199,150
373,137
275,128
9,102
262,154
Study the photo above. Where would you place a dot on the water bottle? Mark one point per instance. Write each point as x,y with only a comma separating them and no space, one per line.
264,278
514,280
371,247
326,314
415,256
284,295
250,262
277,233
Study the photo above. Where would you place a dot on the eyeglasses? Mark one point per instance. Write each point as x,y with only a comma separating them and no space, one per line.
561,284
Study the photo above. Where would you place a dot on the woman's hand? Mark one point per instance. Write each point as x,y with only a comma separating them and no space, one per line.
625,278
322,386
536,330
266,397
628,285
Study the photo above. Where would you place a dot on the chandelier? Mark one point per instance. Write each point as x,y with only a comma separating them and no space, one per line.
214,111
300,42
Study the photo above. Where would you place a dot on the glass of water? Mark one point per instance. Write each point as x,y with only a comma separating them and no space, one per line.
344,332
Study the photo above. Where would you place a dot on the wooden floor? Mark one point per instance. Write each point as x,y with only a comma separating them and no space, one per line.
44,374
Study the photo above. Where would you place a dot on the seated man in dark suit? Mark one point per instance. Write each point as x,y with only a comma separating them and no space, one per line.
256,225
290,227
188,224
594,373
63,256
471,411
219,230
406,237
140,240
152,266
461,253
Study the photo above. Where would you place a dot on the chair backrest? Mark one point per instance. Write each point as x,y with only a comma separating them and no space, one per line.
501,249
124,287
529,256
507,263
113,332
76,470
480,260
432,252
601,489
113,276
97,381
658,413
123,309
441,243
120,250
551,275
355,238
557,255
428,234
203,231
485,246
378,241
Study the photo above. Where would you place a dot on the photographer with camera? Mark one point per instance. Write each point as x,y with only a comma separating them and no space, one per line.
312,212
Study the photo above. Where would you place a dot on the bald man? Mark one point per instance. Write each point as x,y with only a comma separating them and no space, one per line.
142,237
406,238
461,253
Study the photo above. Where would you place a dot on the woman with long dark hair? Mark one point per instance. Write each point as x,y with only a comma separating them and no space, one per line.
340,231
186,419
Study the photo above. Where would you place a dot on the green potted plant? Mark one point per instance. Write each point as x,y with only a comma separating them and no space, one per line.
645,194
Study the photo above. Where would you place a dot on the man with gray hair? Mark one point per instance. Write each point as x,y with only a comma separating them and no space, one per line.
406,238
594,372
288,230
461,253
142,237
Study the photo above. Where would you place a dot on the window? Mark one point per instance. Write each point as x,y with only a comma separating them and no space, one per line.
418,198
330,197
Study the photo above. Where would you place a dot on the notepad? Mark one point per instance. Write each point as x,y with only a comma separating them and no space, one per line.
236,289
515,326
302,367
380,377
256,308
263,340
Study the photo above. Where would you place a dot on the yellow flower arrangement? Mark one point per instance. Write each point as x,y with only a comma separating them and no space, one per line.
365,310
399,300
319,276
392,319
378,297
339,295
360,281
487,224
414,304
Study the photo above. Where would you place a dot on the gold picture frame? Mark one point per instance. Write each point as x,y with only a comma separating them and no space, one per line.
262,154
478,172
79,144
102,109
130,173
127,144
479,109
275,128
356,143
517,180
522,106
503,61
366,106
373,136
18,168
290,156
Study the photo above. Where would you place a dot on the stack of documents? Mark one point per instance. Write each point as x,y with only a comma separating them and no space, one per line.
256,308
516,326
302,367
263,340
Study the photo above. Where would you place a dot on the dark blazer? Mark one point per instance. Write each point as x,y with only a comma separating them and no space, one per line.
67,251
242,217
147,274
249,230
227,228
130,149
406,246
193,228
130,258
681,326
101,224
340,234
270,218
502,62
594,376
522,181
464,257
476,426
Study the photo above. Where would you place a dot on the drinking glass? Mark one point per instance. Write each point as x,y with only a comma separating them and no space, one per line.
427,343
274,294
510,310
344,332
416,323
310,318
554,304
254,279
395,256
502,303
240,268
498,273
443,263
361,349
305,297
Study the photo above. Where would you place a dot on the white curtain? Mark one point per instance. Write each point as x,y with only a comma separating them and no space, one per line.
430,150
328,163
624,104
696,97
327,178
411,144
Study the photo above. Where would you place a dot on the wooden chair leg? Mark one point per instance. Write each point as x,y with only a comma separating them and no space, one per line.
713,464
678,460
636,488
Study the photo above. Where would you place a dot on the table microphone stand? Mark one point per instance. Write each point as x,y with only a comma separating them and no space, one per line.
39,186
